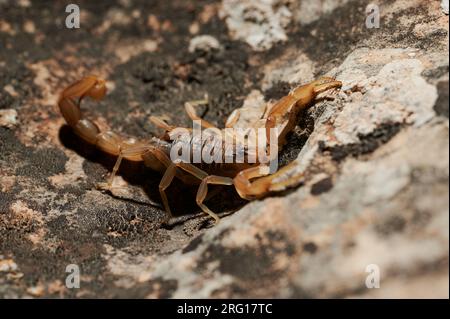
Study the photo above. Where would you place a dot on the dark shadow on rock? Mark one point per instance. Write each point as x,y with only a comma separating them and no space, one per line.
181,197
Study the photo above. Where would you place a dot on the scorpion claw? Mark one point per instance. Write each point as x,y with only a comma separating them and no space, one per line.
103,186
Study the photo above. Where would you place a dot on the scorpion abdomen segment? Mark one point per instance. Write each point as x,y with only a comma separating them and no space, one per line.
70,111
87,130
109,142
211,151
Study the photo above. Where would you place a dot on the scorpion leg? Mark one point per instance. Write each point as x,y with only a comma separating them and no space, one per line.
170,173
203,191
203,188
166,180
232,119
145,152
131,153
190,110
159,122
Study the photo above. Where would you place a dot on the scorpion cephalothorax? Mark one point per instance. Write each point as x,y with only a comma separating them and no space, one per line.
251,178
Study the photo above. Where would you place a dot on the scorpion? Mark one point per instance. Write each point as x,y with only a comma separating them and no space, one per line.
252,180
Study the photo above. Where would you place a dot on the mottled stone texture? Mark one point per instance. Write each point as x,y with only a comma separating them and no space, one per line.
375,157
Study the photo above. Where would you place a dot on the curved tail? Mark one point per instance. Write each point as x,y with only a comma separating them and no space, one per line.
109,142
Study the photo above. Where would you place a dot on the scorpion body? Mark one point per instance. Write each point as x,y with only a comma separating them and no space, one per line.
251,179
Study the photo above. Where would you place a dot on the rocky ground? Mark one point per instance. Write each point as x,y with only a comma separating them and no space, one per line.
375,157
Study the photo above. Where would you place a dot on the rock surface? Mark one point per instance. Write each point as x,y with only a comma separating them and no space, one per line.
375,155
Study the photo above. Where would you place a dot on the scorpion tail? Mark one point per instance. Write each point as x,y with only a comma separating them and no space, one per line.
108,141
69,105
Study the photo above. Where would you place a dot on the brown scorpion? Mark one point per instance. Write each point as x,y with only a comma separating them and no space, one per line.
251,179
